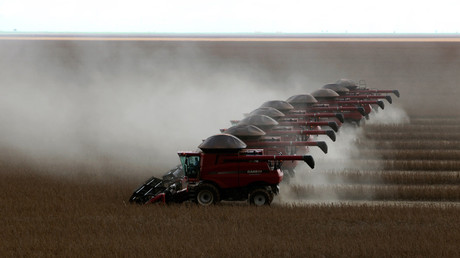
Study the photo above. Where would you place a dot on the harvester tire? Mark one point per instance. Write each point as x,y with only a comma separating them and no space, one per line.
207,194
260,197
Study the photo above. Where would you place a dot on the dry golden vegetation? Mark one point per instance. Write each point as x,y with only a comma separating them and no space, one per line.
376,192
408,135
436,121
435,165
43,216
389,177
403,144
395,164
393,154
78,210
413,127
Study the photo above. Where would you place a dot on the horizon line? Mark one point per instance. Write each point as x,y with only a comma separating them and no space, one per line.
281,37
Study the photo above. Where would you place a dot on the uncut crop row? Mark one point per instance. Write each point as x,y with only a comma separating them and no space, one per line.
406,162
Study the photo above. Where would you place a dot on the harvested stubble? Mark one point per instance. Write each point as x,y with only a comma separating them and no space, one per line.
43,216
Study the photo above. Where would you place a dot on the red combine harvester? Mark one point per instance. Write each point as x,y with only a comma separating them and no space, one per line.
254,137
346,94
288,133
331,98
298,118
267,123
308,103
304,121
360,91
288,110
355,89
277,139
223,170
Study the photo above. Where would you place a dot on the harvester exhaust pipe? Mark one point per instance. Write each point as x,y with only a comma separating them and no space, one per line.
322,146
333,125
362,111
381,104
340,117
309,160
388,97
331,135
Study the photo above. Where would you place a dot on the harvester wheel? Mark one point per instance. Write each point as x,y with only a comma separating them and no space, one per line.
260,197
207,194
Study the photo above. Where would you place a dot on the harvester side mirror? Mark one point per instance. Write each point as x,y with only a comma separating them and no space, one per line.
322,145
331,135
396,92
362,111
381,104
389,99
309,160
333,125
340,117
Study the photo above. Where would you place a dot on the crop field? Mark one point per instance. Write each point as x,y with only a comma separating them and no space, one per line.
395,194
405,205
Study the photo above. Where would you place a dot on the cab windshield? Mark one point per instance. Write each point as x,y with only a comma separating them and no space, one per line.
191,165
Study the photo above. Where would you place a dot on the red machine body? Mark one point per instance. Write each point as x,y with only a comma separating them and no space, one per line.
285,142
234,176
365,91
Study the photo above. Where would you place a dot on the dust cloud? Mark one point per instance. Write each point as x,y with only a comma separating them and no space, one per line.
392,114
136,106
323,183
317,183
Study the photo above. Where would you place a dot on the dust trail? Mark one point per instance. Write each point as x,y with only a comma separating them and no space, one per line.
392,114
344,155
103,106
340,157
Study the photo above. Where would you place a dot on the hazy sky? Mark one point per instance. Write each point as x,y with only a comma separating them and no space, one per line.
207,16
